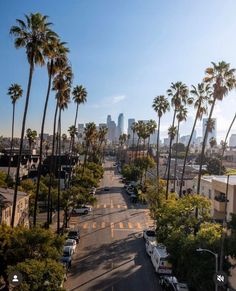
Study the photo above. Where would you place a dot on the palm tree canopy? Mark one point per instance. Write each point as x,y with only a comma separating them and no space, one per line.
172,131
15,92
90,132
79,94
179,94
102,133
202,97
182,113
31,135
151,126
72,131
212,142
161,105
33,34
222,77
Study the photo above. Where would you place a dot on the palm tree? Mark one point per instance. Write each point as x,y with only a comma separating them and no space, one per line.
64,139
139,131
161,106
80,97
134,130
15,92
56,52
222,79
181,116
179,95
102,133
30,35
201,96
224,144
89,132
31,136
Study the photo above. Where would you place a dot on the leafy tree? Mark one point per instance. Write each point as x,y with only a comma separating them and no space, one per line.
214,167
179,147
43,275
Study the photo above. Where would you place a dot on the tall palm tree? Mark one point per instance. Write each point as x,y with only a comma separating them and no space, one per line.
222,79
15,92
139,131
134,130
55,51
161,106
64,139
181,116
89,132
201,97
102,133
30,35
179,96
31,136
224,144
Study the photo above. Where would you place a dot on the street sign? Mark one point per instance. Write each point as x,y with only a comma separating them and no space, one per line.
220,278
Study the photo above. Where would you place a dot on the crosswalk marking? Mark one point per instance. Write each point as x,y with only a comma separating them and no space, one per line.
129,225
121,225
105,206
116,225
112,224
94,225
97,206
139,225
103,224
85,226
118,206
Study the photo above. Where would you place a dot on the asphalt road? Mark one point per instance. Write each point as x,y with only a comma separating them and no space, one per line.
111,255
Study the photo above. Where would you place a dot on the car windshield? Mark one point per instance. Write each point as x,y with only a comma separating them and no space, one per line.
72,233
68,243
150,233
66,254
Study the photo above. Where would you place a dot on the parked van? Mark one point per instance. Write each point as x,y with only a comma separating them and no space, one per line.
159,258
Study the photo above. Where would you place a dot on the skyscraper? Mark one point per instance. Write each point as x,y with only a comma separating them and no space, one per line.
212,133
120,129
131,121
108,119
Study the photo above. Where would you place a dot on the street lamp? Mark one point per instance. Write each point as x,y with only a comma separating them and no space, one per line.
216,260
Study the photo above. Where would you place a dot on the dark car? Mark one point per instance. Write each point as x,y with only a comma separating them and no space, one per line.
106,188
74,234
66,257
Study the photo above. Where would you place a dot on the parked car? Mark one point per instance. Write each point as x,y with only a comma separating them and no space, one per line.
171,283
160,260
74,234
106,188
133,198
82,209
149,245
149,234
67,256
71,243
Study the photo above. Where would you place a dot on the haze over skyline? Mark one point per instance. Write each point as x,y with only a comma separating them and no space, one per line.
125,53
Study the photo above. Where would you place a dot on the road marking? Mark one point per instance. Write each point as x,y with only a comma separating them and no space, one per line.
112,206
103,224
129,225
112,224
139,225
125,206
105,206
94,224
97,206
85,226
121,225
112,229
118,206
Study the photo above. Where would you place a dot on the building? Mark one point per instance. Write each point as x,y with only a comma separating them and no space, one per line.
120,126
214,188
108,119
22,207
131,121
212,133
232,140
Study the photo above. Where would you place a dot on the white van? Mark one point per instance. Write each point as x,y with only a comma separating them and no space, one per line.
159,258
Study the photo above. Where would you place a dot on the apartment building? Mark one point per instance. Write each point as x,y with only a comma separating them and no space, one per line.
22,207
214,188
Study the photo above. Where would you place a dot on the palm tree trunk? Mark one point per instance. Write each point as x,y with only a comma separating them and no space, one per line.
187,150
41,142
148,145
176,152
133,147
226,137
12,136
21,140
169,160
203,148
49,214
59,171
158,158
137,148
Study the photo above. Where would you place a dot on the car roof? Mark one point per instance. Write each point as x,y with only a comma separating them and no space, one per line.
66,248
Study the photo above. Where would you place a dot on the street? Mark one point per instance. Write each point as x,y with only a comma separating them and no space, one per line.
111,254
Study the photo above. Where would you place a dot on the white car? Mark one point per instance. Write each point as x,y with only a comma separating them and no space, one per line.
149,234
149,246
82,210
70,243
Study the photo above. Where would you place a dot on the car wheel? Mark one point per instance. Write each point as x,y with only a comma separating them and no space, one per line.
86,212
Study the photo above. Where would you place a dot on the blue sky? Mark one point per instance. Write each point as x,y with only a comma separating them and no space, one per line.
125,52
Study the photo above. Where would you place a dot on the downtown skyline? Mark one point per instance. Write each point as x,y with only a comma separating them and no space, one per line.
123,64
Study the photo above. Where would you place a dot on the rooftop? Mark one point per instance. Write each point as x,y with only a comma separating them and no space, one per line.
6,195
222,179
